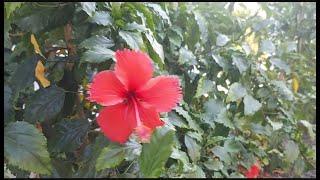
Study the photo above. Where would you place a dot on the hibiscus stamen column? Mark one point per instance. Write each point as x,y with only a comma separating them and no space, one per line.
141,130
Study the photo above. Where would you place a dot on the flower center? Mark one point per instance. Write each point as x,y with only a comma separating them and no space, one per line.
131,95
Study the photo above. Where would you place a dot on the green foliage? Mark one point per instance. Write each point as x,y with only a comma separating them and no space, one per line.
44,104
155,154
110,156
248,81
26,148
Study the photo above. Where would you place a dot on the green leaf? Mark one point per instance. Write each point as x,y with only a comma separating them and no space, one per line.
193,148
261,24
222,40
25,147
6,29
69,135
44,104
195,135
299,166
156,47
196,172
267,46
220,61
275,125
96,40
187,56
222,154
291,46
24,75
157,8
89,156
89,7
145,14
36,18
11,7
240,63
251,105
203,27
283,89
102,18
133,39
110,156
192,124
7,172
212,109
97,54
222,118
308,127
177,120
213,164
236,92
291,151
280,64
204,87
233,146
181,156
155,154
7,104
135,27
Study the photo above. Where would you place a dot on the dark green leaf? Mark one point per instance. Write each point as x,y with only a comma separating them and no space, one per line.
25,147
193,148
102,18
97,54
69,135
44,104
35,18
24,74
96,40
157,8
110,157
89,7
7,104
134,40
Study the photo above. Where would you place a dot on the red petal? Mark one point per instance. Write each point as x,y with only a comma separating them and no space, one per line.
162,92
133,68
117,122
144,133
253,172
149,116
106,89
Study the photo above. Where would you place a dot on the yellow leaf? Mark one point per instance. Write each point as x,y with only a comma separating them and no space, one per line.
295,85
39,73
252,41
35,44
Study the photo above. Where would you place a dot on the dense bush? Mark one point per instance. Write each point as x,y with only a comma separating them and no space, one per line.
248,82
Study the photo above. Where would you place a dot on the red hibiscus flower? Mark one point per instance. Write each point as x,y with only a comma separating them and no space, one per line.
253,172
132,98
